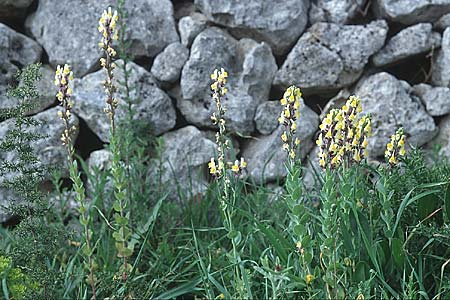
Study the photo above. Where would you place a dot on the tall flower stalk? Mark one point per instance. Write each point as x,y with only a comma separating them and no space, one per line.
221,170
63,76
122,233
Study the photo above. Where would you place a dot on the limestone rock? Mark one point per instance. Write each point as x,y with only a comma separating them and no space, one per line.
443,138
49,150
335,11
411,41
168,64
47,91
250,66
70,35
279,23
16,51
411,11
441,62
330,56
265,156
442,23
100,159
436,99
266,117
184,158
190,26
155,107
391,106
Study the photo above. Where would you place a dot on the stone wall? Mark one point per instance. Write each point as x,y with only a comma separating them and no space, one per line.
393,54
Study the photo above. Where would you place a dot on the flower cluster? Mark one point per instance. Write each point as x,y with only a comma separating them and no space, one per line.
396,147
288,118
63,76
107,27
219,90
343,135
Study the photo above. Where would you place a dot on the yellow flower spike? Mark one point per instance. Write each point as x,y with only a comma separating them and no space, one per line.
309,278
243,163
292,154
235,167
214,75
285,146
297,141
283,101
212,166
296,104
284,136
287,113
294,126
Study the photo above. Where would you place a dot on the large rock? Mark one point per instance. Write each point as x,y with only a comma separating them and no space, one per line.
46,88
265,118
71,35
410,41
168,64
391,106
279,23
184,158
190,26
330,56
265,156
10,9
436,99
443,138
155,107
16,51
49,150
441,62
442,23
411,11
335,11
251,68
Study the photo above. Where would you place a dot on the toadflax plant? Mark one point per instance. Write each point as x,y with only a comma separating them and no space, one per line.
221,171
122,233
63,76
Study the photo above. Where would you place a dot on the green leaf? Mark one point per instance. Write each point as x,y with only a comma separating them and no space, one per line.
397,252
426,205
299,230
361,272
447,203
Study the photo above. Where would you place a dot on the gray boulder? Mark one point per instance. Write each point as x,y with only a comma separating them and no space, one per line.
168,64
443,138
190,26
391,106
411,11
410,41
250,66
330,56
441,62
16,51
436,99
335,11
71,35
442,23
279,23
47,91
184,158
266,117
265,156
155,107
49,150
10,9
